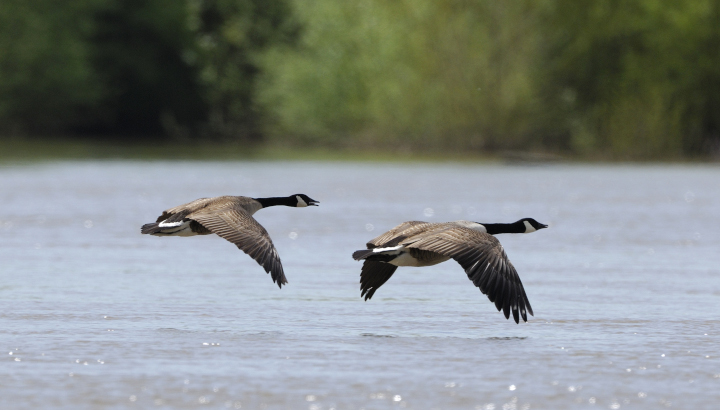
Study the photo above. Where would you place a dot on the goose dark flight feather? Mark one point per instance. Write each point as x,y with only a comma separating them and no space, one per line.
471,244
231,218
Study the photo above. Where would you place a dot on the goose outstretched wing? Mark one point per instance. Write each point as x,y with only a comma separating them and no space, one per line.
373,275
485,263
240,228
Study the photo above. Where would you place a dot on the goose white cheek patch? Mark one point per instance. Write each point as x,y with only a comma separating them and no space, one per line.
301,203
528,228
170,224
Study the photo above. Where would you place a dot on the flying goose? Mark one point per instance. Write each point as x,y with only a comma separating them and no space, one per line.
231,218
471,244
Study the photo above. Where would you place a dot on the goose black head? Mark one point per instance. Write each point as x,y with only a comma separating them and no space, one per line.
304,200
531,225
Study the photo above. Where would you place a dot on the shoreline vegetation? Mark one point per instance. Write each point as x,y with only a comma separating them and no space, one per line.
26,150
583,80
50,149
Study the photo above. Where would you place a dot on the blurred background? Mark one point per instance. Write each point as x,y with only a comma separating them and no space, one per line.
504,109
612,80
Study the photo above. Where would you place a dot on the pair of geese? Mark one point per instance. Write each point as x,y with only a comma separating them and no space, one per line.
412,243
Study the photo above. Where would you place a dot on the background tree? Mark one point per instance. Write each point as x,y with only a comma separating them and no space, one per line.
231,37
47,80
144,52
617,79
135,68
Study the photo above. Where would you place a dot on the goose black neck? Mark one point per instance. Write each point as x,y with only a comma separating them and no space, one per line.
275,201
515,227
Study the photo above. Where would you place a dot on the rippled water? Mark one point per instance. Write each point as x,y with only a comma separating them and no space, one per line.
625,286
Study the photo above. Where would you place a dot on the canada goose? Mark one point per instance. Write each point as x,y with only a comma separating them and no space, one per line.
471,244
231,218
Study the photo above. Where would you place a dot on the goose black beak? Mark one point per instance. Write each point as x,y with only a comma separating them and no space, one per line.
313,202
542,226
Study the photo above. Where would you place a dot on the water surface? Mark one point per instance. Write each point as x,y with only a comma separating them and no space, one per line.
625,285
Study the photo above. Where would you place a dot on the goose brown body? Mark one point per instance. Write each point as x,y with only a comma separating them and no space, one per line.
231,218
480,254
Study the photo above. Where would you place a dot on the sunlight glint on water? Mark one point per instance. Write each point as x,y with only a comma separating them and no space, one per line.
624,285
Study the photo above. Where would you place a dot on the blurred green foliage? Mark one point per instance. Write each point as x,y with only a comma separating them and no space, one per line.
135,68
46,77
414,74
637,79
613,79
231,36
140,50
622,79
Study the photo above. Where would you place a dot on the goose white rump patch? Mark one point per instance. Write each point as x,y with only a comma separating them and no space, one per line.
393,250
170,224
180,228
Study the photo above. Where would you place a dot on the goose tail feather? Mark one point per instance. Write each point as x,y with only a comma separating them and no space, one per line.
150,228
362,254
